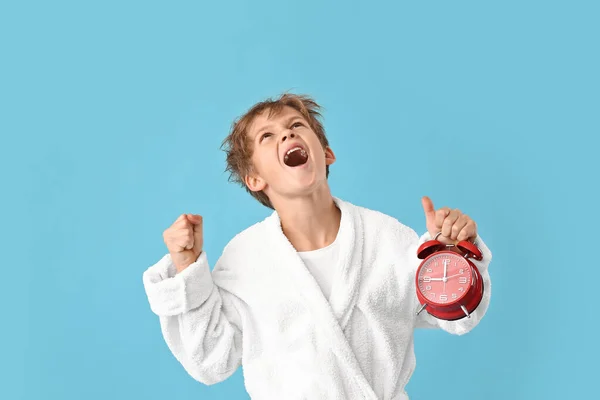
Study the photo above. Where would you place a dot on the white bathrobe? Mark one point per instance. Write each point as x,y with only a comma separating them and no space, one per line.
262,309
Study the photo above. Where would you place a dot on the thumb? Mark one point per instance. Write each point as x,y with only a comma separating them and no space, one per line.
194,219
428,208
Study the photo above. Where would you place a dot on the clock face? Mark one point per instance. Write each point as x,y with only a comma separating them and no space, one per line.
453,287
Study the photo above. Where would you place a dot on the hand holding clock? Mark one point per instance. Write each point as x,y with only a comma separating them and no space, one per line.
453,224
451,232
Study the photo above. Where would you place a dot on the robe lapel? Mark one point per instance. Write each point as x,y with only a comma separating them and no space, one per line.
346,283
335,312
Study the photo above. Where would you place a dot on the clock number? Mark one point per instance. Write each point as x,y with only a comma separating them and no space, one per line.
443,297
432,295
454,296
426,279
461,289
461,271
428,287
462,280
428,270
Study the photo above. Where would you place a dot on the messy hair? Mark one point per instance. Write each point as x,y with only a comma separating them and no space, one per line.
238,145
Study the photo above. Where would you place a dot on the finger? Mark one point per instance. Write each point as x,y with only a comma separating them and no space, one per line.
457,227
185,239
468,232
428,208
440,216
182,222
449,221
180,243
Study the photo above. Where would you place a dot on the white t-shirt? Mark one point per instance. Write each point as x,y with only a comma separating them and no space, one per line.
322,264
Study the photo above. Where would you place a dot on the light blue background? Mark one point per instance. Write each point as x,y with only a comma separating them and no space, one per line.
111,117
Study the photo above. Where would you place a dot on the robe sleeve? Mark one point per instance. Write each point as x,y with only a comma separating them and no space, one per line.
464,325
199,320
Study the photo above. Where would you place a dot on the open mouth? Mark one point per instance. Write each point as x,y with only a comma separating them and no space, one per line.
295,156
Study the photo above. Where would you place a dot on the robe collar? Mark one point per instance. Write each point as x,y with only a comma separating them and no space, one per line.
347,270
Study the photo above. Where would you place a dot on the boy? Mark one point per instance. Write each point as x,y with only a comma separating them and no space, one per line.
318,300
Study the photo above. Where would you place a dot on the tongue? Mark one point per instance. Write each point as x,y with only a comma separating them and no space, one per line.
295,158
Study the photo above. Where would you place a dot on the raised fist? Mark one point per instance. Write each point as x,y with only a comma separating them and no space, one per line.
184,240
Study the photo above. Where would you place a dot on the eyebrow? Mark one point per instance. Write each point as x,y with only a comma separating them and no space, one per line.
287,122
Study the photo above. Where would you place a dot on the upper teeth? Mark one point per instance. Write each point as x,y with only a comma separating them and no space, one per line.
294,149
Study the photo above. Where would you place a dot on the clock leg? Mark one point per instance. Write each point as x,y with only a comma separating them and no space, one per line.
465,311
422,308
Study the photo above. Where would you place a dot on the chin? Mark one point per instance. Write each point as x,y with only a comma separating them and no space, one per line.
312,184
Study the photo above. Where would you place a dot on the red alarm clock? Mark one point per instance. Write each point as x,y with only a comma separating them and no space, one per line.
449,286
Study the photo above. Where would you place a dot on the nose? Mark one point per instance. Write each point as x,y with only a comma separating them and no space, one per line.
284,137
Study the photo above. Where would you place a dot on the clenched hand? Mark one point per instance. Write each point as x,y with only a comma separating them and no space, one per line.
184,240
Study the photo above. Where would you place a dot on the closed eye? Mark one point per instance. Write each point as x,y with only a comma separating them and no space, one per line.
298,123
265,135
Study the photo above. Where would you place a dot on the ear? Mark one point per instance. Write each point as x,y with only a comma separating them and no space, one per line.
329,156
255,183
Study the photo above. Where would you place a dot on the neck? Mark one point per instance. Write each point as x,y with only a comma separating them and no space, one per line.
310,222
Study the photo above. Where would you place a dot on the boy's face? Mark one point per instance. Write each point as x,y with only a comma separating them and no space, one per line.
277,171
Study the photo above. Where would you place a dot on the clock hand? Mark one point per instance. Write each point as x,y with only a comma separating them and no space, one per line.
445,268
445,273
444,279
